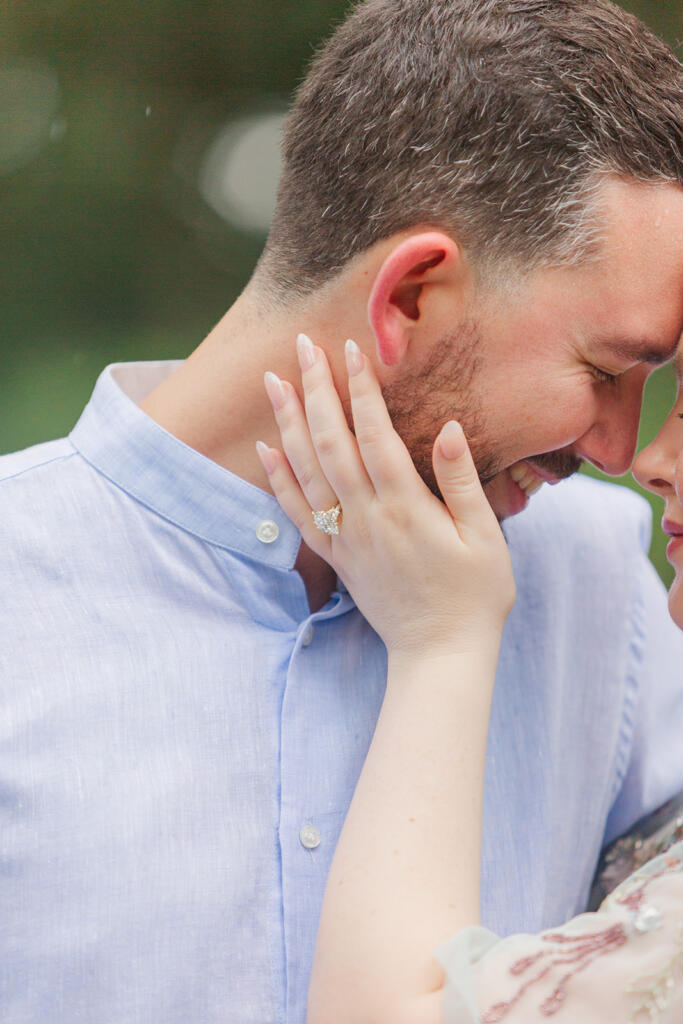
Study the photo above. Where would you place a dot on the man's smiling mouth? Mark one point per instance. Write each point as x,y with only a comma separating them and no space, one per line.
526,477
548,468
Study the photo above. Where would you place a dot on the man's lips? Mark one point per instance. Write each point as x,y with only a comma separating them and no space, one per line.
545,475
529,475
509,490
555,466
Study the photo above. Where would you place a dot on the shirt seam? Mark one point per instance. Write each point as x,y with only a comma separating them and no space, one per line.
36,465
635,657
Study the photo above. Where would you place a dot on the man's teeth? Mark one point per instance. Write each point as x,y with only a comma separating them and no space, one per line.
524,477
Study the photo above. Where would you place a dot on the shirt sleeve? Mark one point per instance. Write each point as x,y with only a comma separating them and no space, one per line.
621,963
651,769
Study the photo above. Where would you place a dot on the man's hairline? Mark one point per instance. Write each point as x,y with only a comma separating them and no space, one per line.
494,276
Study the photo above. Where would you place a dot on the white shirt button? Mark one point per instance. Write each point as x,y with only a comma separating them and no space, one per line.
268,531
308,637
310,837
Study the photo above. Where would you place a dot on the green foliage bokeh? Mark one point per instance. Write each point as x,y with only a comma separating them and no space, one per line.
109,255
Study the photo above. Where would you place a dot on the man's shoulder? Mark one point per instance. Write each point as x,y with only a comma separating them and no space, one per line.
38,487
50,453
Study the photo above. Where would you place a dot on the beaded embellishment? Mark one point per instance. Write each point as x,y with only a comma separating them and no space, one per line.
656,990
574,953
649,838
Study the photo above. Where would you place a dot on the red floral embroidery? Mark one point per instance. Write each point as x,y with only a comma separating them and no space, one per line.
578,950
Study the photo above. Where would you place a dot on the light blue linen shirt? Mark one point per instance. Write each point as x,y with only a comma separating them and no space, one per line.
180,737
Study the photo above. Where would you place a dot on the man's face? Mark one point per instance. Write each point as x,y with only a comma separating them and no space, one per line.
529,374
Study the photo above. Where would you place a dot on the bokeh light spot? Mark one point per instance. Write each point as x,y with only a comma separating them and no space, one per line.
29,98
240,171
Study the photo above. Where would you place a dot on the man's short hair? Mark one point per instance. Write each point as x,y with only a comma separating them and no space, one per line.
495,120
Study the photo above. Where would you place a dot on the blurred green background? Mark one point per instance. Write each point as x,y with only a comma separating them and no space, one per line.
128,218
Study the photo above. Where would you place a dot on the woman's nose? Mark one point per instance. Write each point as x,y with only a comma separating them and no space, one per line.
654,467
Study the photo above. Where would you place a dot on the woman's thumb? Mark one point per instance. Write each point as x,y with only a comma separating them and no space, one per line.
458,481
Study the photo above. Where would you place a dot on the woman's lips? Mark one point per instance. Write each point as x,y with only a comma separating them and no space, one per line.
674,545
672,528
675,531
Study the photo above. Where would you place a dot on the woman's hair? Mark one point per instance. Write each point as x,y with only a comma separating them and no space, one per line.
495,120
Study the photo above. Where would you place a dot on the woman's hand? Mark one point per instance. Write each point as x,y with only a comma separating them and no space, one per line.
429,577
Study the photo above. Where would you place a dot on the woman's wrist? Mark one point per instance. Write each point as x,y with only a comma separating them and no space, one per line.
432,694
465,657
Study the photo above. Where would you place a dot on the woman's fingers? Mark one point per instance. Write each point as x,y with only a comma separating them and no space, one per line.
297,443
329,463
386,459
292,500
321,465
460,486
334,444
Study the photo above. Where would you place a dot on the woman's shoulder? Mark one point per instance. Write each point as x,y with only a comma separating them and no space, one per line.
650,837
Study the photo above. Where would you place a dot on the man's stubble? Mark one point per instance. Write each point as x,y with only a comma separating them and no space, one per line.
446,387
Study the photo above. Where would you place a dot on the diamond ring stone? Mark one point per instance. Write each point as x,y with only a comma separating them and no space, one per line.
328,521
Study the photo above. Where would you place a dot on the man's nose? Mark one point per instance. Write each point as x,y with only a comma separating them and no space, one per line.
610,443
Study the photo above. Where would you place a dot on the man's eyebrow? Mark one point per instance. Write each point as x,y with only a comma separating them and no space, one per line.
643,352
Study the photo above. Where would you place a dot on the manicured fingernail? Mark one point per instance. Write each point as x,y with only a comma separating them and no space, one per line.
354,358
306,351
266,456
275,390
451,440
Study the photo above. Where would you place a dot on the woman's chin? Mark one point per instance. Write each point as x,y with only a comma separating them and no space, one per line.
676,600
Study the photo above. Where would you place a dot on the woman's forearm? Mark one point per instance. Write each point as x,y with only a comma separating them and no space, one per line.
406,872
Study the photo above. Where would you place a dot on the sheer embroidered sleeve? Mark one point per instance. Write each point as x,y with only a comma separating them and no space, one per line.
623,963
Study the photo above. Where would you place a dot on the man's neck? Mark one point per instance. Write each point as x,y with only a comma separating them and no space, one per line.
216,402
319,578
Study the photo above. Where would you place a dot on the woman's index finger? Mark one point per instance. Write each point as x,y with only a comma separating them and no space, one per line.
385,456
334,444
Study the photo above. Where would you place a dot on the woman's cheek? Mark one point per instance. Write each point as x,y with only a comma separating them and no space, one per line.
676,600
678,477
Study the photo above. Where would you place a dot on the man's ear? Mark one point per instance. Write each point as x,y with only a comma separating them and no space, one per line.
398,294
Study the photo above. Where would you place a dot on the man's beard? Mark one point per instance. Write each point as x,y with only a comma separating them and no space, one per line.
560,464
444,388
441,390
